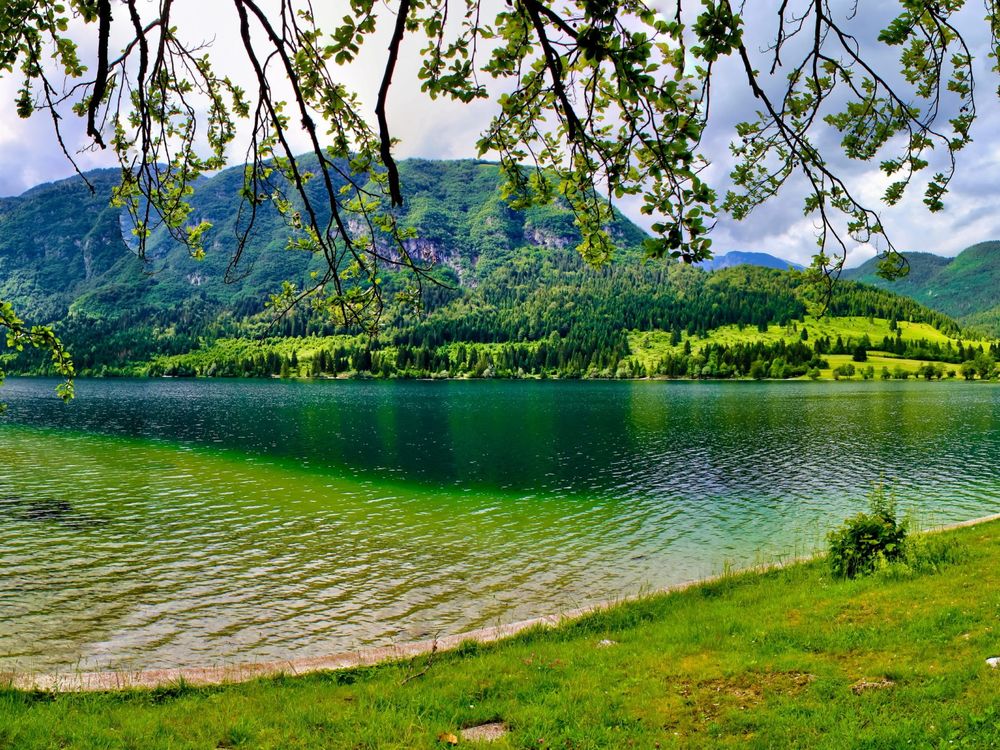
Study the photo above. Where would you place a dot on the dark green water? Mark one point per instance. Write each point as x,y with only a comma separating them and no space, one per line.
176,523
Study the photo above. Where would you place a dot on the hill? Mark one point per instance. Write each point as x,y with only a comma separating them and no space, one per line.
548,316
966,287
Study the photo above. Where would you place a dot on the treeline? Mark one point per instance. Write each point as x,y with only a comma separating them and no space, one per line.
555,356
539,293
541,312
752,359
922,349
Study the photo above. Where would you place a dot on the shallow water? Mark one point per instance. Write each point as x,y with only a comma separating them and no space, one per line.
180,523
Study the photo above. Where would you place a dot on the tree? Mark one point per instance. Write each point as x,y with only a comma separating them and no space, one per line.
846,370
595,102
985,365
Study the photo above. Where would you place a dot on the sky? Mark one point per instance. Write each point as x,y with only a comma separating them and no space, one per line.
441,129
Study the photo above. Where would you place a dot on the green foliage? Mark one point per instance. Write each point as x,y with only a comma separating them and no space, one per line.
923,554
868,540
877,542
985,365
547,314
609,98
510,279
588,96
43,338
963,287
931,370
846,370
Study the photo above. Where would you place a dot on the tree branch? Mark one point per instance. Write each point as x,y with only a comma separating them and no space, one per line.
554,64
385,150
101,80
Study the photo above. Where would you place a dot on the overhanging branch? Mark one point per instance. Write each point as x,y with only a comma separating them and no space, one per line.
385,150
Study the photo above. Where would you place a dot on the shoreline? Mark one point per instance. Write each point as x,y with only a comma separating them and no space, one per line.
111,680
913,378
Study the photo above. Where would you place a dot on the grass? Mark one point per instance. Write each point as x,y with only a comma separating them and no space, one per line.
788,658
649,347
852,327
878,360
238,349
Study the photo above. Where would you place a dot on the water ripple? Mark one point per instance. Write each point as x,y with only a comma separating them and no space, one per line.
284,520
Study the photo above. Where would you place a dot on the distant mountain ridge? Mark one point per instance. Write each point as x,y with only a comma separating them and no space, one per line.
966,287
745,258
56,262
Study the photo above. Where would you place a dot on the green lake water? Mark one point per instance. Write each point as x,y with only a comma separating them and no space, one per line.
181,523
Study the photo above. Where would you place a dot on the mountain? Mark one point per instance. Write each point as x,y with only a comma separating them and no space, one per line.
64,250
514,278
966,287
58,242
740,258
66,257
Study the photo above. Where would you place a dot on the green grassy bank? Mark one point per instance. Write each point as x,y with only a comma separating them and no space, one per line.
787,658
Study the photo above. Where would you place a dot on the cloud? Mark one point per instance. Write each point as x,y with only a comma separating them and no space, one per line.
29,153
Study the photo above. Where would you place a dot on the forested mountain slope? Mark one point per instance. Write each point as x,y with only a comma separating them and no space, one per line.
966,287
64,250
65,256
510,278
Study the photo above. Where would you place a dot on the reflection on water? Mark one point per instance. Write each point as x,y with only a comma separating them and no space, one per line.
180,523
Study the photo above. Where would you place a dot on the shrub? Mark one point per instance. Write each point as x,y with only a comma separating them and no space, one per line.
844,371
922,554
870,540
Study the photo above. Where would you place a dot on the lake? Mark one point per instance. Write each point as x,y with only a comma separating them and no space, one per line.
181,523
